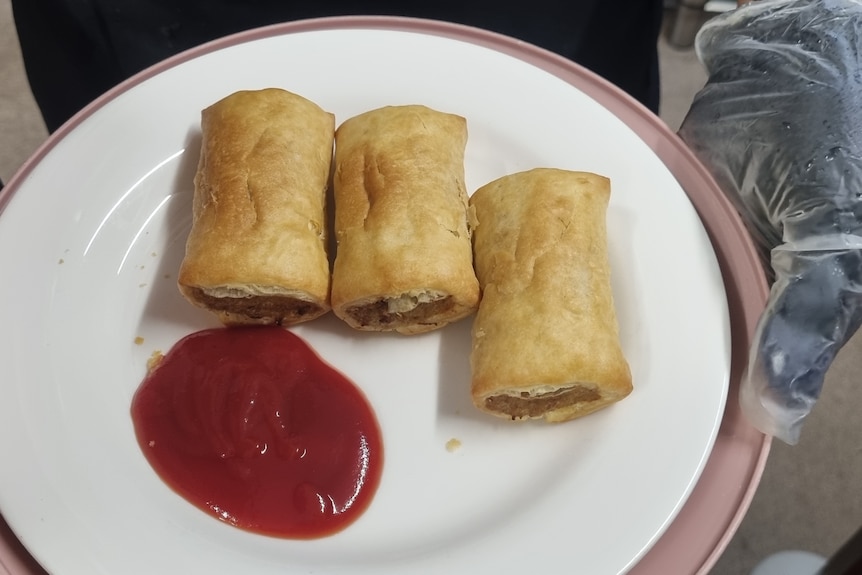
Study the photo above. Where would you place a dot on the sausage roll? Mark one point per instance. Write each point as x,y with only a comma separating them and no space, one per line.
545,337
257,251
404,260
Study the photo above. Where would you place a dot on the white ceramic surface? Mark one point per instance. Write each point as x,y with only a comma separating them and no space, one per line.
93,238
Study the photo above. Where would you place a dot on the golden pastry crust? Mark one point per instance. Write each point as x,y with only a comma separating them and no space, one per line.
545,338
257,251
404,259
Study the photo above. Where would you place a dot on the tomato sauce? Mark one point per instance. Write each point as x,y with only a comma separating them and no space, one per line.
251,426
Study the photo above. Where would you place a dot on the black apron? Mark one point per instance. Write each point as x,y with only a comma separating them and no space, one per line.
75,50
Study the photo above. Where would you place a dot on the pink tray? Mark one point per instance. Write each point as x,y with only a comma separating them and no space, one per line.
705,525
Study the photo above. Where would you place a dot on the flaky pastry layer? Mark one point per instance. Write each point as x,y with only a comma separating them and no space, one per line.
404,259
545,337
257,250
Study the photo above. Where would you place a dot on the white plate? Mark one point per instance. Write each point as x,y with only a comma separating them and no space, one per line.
89,249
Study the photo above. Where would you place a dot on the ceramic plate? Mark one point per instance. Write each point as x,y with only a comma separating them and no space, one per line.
90,245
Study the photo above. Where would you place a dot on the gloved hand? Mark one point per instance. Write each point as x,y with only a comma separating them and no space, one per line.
779,125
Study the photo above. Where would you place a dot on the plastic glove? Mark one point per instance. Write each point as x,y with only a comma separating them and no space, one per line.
779,125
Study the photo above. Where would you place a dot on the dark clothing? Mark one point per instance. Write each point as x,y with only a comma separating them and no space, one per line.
75,50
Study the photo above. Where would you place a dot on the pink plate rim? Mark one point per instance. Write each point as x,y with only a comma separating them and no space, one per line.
710,517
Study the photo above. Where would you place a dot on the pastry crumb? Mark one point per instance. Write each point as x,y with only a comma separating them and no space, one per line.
153,254
154,361
139,340
453,445
62,261
142,285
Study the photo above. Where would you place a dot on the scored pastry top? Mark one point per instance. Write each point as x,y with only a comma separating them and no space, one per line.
404,259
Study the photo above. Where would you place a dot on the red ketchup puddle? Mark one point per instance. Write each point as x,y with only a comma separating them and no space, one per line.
251,426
